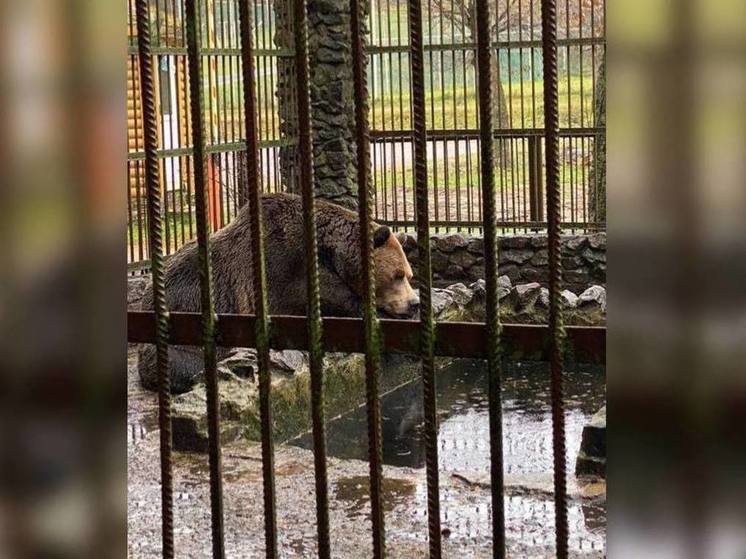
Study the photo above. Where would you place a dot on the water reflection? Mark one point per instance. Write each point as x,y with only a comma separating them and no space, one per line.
463,408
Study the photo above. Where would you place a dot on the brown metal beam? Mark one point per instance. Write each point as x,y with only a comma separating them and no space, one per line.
346,335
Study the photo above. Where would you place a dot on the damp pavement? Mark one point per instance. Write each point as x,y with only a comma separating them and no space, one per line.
464,481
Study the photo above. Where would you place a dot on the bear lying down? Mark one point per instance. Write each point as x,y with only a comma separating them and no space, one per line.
340,270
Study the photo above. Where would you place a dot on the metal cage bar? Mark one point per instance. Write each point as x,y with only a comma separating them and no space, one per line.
209,318
370,316
551,117
155,228
316,354
261,304
492,319
427,322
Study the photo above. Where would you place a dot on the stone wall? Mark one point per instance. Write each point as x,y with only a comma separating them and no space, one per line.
523,258
332,99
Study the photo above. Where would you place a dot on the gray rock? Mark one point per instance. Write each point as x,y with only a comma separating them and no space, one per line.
571,300
242,362
408,241
592,455
476,245
597,241
594,255
539,241
514,242
135,289
544,297
452,241
594,295
516,256
289,360
504,282
441,300
439,261
571,262
575,243
461,294
454,272
525,295
540,258
463,258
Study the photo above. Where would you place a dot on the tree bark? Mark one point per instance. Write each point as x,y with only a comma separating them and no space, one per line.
597,195
500,114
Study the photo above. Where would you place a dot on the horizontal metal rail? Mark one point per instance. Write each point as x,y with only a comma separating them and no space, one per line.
227,147
585,344
473,133
182,51
437,47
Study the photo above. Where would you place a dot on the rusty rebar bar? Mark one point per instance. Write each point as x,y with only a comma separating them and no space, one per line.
155,236
427,321
551,125
259,279
316,354
492,320
209,319
370,316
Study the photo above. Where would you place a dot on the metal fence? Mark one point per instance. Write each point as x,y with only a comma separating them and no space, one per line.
369,335
451,114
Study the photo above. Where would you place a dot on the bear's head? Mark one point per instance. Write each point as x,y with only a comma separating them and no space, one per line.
394,294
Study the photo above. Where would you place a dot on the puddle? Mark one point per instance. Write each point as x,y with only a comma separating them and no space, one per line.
356,491
463,448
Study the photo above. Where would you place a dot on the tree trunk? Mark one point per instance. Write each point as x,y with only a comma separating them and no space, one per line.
597,195
500,114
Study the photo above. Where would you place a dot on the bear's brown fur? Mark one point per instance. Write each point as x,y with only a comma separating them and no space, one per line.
338,237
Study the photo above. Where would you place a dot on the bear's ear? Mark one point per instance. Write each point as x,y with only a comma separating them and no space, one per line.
381,235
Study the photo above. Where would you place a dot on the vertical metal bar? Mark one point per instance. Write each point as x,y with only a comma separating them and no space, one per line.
209,318
372,333
316,355
489,199
261,305
427,322
551,116
157,270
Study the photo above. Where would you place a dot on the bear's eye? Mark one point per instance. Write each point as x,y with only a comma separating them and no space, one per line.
399,276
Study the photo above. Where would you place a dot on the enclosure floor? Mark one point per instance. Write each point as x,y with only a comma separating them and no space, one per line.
465,503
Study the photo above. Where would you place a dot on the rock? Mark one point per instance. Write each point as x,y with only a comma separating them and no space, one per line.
476,245
135,289
571,262
597,241
594,295
452,241
461,294
594,255
530,274
540,258
454,272
525,295
539,241
504,282
511,271
288,360
242,362
441,300
544,297
592,454
408,241
514,242
463,258
577,277
571,300
516,256
439,261
574,243
476,272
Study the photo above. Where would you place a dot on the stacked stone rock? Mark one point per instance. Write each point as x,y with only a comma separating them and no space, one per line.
523,258
332,99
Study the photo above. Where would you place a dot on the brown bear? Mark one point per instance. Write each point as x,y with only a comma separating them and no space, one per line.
338,237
